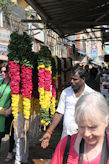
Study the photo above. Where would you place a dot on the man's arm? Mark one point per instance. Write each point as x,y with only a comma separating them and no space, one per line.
46,137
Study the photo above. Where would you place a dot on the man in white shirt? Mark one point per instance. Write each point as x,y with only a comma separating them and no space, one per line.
66,106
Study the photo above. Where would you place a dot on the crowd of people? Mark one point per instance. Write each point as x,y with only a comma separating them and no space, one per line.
84,112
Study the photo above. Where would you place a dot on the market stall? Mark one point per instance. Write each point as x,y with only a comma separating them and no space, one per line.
37,80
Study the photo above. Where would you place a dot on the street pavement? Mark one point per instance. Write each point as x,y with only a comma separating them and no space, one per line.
4,150
37,155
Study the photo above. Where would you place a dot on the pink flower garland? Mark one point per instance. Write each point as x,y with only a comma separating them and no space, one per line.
14,74
47,81
26,81
41,77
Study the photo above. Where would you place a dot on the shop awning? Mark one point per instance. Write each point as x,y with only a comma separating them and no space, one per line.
67,17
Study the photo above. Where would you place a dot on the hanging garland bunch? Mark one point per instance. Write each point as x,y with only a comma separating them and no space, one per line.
44,83
14,71
20,67
26,73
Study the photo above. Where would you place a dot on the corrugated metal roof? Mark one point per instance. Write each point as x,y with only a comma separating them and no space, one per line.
67,17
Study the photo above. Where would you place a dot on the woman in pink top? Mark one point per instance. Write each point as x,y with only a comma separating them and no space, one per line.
90,145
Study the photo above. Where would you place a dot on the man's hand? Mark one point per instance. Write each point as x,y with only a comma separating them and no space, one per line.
45,140
46,137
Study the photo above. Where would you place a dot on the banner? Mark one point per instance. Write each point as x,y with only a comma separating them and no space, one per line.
94,52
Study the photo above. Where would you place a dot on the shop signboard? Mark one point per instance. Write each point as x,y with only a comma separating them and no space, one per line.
107,49
94,52
3,49
4,35
4,41
37,33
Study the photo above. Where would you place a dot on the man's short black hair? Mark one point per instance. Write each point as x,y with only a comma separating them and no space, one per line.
78,69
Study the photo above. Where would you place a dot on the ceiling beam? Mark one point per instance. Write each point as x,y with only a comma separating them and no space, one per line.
73,22
31,21
36,7
62,1
102,16
43,14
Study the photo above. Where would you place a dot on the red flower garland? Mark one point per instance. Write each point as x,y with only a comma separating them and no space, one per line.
26,81
14,74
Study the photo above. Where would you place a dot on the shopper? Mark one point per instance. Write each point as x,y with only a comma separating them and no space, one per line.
6,116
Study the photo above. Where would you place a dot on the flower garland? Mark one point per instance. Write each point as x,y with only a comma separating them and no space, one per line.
44,84
26,89
20,51
44,75
47,88
41,75
14,73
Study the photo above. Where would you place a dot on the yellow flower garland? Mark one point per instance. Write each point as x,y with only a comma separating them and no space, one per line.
41,96
41,66
15,102
26,107
46,103
52,106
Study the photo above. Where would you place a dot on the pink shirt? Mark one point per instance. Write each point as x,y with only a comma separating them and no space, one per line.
73,155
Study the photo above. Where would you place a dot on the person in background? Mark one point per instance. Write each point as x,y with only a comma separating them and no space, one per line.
6,116
21,156
91,144
87,74
66,106
92,81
